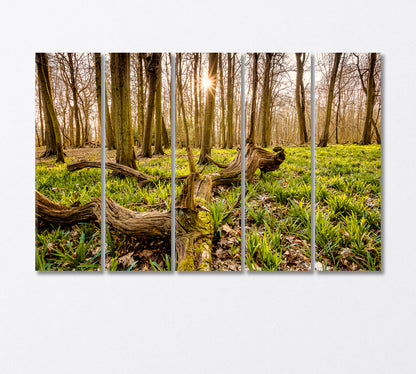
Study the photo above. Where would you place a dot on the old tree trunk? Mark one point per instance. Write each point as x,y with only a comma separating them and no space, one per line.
194,223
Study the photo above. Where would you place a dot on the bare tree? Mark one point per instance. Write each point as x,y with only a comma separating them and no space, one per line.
323,142
300,97
265,101
53,138
250,139
152,66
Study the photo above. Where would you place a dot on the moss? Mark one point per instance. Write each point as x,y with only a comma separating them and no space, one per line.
188,264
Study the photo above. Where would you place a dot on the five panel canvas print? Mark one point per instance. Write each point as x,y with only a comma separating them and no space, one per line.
214,117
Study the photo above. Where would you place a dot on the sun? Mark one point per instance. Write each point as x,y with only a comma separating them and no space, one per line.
206,83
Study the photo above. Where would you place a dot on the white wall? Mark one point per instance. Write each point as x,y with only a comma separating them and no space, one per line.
207,323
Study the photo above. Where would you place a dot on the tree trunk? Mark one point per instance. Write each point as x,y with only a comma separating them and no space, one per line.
230,99
339,101
109,128
71,125
196,114
54,142
323,142
250,139
223,113
181,103
165,136
152,66
42,130
300,97
75,99
97,60
158,113
265,101
140,99
209,109
120,101
366,138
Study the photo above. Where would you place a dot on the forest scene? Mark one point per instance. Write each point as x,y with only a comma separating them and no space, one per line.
348,162
278,199
67,131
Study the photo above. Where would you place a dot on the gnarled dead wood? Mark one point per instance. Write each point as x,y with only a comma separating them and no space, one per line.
141,178
210,159
194,223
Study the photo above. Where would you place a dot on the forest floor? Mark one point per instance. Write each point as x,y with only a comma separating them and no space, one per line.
278,210
348,212
278,218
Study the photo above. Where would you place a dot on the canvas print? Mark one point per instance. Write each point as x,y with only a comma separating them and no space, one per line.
138,162
278,162
208,162
348,162
67,138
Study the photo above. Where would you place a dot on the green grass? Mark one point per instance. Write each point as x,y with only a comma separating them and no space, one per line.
76,247
348,197
278,224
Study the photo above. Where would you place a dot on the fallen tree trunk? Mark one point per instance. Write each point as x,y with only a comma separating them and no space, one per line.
194,223
136,224
141,178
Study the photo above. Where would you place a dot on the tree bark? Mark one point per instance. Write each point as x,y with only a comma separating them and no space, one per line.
250,139
42,131
323,142
366,138
97,60
339,101
140,99
109,129
158,113
165,136
230,99
223,113
196,114
300,97
265,101
120,101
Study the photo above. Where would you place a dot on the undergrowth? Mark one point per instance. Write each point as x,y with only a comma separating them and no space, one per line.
348,203
278,211
59,247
